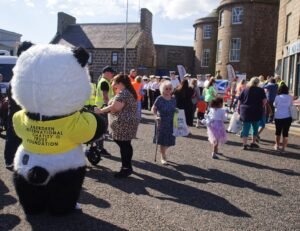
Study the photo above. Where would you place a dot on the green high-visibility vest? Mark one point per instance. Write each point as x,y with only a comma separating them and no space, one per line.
99,94
92,100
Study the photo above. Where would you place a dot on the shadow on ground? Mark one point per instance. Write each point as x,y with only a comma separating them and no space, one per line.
172,190
260,166
7,221
71,222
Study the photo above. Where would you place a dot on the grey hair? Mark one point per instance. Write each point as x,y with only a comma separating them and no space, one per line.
165,84
254,82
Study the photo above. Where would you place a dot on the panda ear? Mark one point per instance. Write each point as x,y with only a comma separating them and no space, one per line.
81,55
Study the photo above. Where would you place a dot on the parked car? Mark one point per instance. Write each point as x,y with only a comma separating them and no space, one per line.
6,65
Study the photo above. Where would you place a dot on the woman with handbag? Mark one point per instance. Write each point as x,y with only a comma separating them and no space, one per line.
163,109
184,94
283,119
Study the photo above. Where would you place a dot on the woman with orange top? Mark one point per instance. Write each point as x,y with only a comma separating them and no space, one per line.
138,87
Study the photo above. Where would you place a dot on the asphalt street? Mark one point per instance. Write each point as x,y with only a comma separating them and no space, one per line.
242,190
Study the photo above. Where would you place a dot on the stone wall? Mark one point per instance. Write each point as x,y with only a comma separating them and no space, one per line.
168,57
257,34
102,58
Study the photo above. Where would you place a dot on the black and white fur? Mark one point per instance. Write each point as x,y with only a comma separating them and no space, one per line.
51,81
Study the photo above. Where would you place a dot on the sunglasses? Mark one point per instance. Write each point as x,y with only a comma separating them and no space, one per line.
168,88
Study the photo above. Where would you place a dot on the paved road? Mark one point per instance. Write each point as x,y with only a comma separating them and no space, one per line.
243,190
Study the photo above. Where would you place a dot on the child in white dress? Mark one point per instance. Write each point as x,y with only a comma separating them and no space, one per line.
215,125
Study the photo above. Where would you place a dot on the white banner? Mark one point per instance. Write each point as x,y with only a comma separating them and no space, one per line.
181,71
230,72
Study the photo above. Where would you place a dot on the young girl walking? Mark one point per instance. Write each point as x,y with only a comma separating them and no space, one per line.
215,125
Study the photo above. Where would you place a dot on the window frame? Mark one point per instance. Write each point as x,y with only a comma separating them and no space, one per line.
221,18
114,54
219,51
207,30
235,50
287,22
238,17
206,58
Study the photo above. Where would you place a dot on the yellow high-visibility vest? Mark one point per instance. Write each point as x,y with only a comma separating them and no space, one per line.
92,100
99,94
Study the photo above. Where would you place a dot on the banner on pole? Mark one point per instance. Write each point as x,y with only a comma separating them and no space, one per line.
230,72
181,71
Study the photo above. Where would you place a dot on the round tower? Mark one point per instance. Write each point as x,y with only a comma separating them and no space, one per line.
206,32
247,32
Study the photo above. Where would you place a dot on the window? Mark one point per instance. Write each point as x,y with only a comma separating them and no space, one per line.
297,93
291,74
221,18
207,31
205,57
285,69
278,67
195,34
235,50
114,58
299,28
90,60
237,15
219,51
287,26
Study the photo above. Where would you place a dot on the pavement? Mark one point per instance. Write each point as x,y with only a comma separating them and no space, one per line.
242,190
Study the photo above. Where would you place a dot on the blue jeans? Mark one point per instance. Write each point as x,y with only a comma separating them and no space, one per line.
247,126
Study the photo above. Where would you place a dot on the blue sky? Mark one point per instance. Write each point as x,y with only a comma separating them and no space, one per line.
36,20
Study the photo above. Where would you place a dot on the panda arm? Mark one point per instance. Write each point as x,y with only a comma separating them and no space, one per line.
92,126
101,127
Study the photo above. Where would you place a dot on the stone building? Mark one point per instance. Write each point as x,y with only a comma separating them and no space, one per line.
288,44
9,41
205,43
168,57
106,41
247,36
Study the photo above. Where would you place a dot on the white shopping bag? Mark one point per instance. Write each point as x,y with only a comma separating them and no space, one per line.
235,125
180,127
294,112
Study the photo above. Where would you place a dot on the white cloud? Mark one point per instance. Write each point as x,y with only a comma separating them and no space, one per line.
175,9
29,3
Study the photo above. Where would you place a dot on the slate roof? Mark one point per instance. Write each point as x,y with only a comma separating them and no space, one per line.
100,35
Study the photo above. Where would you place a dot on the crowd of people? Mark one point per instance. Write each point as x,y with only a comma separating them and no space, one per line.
120,98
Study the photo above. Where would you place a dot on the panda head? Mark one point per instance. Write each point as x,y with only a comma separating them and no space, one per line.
51,80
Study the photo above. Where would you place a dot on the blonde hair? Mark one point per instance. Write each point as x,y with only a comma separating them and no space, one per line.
165,84
194,83
261,78
254,82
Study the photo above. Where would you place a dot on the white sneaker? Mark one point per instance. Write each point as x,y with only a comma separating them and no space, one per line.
163,162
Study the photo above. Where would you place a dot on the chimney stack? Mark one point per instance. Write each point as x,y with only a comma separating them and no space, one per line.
146,20
63,21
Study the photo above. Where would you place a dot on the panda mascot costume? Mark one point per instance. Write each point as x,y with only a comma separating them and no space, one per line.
51,83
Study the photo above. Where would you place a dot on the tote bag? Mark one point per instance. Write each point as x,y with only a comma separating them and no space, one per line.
180,127
294,112
235,125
